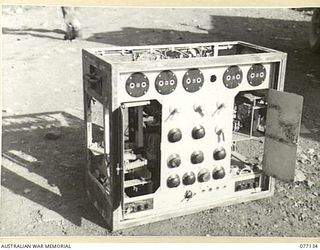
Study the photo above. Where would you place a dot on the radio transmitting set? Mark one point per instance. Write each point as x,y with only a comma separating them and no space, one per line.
176,129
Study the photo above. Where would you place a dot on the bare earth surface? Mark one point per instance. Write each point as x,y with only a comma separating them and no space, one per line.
42,190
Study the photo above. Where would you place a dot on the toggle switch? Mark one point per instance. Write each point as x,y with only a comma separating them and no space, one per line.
199,109
220,134
219,153
173,110
174,135
197,157
219,106
198,132
188,194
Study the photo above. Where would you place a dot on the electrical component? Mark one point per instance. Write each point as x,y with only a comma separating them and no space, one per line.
173,129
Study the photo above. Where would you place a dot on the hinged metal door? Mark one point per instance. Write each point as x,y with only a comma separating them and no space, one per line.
282,133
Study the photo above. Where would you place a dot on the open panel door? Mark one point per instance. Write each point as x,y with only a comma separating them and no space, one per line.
282,133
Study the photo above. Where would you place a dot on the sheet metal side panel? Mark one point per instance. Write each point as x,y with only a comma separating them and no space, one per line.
282,133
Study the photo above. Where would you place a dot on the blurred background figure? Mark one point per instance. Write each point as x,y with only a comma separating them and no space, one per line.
73,24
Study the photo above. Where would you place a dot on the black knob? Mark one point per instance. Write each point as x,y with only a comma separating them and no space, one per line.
197,157
204,175
174,135
174,161
198,132
188,178
218,173
173,181
219,153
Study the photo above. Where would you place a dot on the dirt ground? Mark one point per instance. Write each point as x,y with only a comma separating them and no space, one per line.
42,180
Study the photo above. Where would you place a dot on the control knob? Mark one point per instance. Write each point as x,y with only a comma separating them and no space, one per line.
173,181
174,161
197,157
218,173
198,132
219,153
188,178
204,175
174,135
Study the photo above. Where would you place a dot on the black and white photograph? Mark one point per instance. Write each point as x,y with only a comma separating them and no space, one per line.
160,121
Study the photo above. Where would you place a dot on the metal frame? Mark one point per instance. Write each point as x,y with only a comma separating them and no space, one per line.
109,204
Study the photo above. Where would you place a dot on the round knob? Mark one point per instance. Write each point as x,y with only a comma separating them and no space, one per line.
198,132
173,181
188,194
174,135
188,178
174,161
218,173
204,175
197,157
219,153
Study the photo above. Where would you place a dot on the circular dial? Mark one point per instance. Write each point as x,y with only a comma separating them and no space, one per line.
204,175
137,84
232,77
192,80
174,135
173,181
198,132
166,82
174,161
218,173
188,178
197,157
256,74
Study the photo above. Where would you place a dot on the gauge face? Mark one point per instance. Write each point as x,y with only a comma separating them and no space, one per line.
137,84
192,80
256,74
166,82
232,77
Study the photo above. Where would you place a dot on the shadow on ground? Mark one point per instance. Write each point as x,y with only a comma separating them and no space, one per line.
34,32
60,160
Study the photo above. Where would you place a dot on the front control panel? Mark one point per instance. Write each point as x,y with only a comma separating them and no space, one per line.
169,82
184,127
195,117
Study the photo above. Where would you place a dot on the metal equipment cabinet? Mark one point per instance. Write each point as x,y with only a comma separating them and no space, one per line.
167,125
